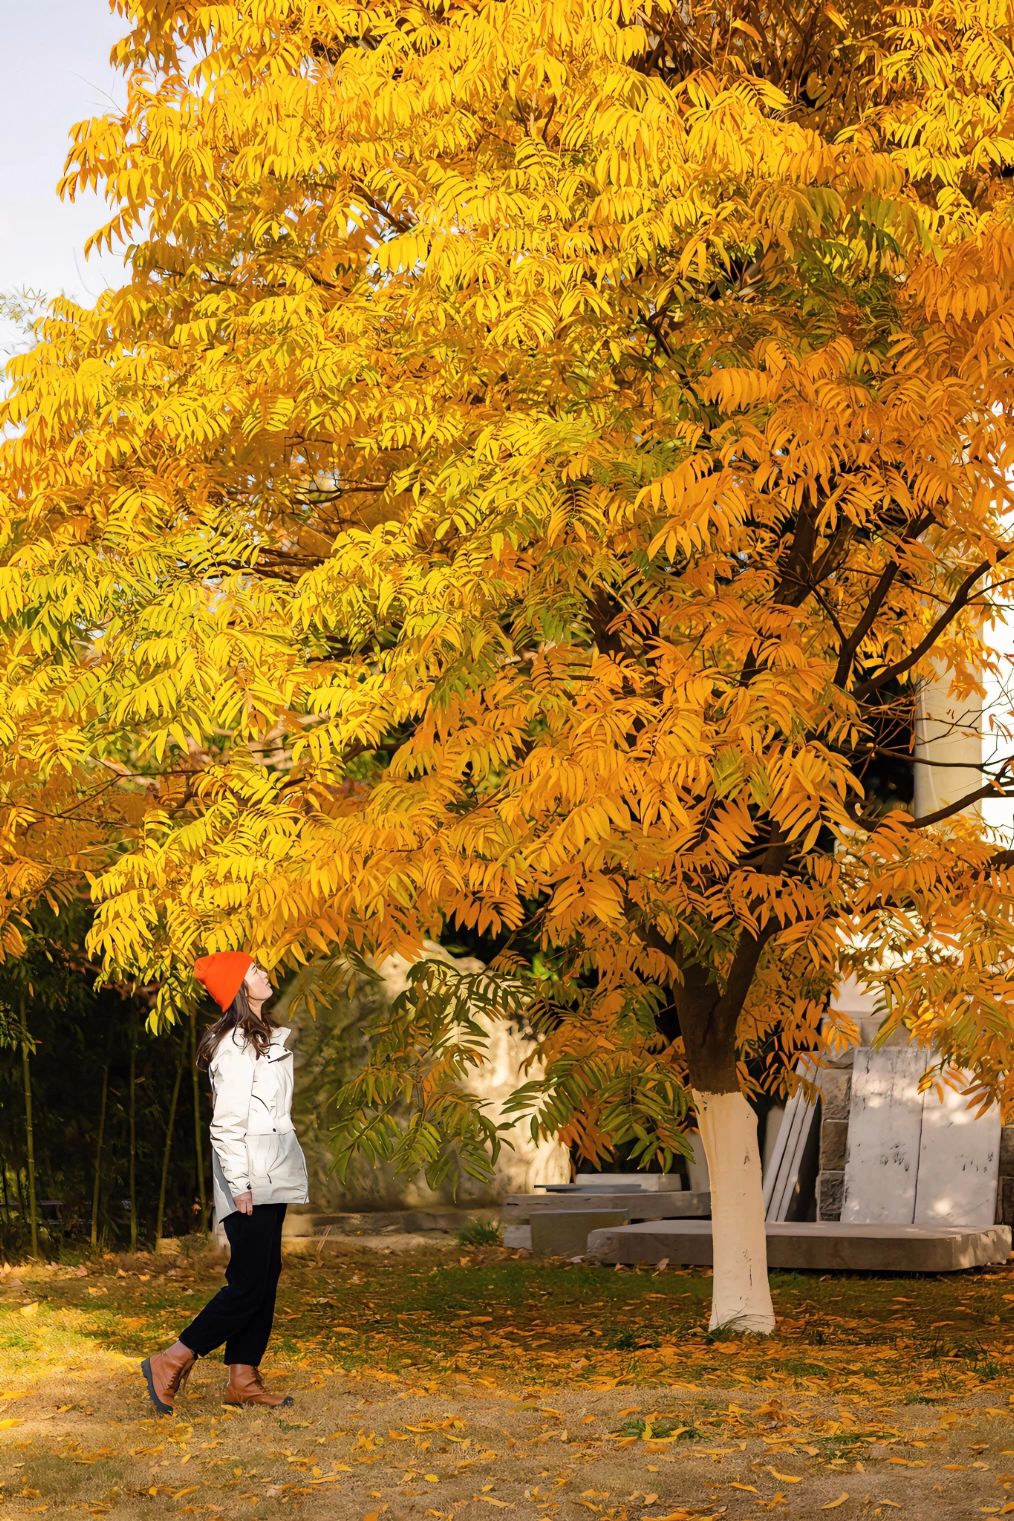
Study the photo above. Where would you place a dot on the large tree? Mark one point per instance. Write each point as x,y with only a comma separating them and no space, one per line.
537,452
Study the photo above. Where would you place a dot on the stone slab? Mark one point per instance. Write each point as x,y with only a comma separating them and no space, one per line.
788,1182
305,1221
680,1204
564,1233
959,1155
823,1246
649,1182
885,1125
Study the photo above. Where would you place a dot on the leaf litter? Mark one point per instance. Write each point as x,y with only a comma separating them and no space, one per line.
454,1387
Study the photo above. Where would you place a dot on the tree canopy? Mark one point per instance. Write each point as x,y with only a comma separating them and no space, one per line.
537,451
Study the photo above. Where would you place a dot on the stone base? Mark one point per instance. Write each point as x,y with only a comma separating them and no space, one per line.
822,1247
555,1238
519,1209
565,1233
516,1238
304,1221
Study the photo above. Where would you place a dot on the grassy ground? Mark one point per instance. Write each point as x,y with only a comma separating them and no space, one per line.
455,1384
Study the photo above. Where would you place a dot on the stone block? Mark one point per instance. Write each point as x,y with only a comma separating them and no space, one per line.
835,1093
1005,1202
830,1188
824,1246
517,1238
1007,1151
834,1137
564,1233
844,1059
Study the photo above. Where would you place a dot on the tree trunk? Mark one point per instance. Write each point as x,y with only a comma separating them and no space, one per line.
26,1076
132,1124
167,1150
741,1297
202,1192
100,1136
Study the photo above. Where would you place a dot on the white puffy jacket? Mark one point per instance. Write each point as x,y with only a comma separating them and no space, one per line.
254,1147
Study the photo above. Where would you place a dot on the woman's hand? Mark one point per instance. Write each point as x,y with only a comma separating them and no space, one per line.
244,1202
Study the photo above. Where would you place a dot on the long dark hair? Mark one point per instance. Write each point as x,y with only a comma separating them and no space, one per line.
240,1016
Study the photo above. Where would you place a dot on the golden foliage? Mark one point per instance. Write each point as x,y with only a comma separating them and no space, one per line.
530,437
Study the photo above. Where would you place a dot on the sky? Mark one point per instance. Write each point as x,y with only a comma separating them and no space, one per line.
54,71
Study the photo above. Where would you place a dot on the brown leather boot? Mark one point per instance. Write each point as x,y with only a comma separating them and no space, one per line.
166,1374
246,1387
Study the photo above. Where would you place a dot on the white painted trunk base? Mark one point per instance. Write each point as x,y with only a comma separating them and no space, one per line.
741,1298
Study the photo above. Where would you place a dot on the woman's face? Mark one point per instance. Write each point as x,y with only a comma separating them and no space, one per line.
257,983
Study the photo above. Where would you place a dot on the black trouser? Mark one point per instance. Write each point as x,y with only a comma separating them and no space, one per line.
241,1314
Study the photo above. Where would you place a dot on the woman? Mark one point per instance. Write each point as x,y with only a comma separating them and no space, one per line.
258,1169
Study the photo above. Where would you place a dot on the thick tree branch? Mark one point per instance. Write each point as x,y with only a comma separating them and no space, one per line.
988,789
954,607
878,597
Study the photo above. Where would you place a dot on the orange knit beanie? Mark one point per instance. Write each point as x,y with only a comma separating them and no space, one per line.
222,974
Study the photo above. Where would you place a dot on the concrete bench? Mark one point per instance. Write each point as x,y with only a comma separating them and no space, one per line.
519,1209
822,1246
551,1226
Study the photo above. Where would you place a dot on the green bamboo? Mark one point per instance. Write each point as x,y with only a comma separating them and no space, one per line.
26,1077
167,1149
6,1203
202,1192
132,1125
97,1184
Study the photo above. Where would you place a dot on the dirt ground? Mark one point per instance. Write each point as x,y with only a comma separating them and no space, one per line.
453,1384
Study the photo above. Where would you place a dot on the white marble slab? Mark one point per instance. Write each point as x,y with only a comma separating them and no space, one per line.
885,1126
959,1159
781,1183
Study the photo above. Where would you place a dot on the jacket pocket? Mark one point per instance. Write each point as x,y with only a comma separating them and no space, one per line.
265,1152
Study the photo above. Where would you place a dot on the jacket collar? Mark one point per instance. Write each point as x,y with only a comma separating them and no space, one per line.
277,1051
